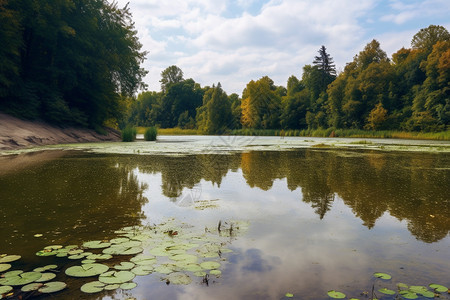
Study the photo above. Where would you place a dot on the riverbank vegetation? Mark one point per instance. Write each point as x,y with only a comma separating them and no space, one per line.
406,96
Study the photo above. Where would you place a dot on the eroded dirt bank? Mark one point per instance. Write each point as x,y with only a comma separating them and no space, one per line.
16,134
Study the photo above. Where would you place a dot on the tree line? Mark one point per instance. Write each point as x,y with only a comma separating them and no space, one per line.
68,62
409,92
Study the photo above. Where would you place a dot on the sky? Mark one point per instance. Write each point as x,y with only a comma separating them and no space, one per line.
236,41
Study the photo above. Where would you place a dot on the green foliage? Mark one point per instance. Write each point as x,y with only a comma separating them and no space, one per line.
129,134
150,134
408,93
76,59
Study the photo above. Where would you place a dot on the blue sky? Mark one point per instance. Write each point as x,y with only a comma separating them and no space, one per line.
235,41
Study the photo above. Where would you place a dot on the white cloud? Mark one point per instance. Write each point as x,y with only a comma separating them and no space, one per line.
276,38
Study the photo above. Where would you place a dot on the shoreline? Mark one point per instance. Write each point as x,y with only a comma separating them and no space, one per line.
21,134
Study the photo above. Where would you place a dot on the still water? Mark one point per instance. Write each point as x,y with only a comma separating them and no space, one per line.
316,220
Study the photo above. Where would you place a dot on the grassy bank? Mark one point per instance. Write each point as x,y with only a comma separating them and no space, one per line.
330,132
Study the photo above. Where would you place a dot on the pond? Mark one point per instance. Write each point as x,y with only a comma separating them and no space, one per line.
254,224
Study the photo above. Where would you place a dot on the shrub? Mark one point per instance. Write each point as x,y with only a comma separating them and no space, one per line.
129,134
150,134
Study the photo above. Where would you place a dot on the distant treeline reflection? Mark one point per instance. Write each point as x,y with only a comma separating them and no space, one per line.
408,186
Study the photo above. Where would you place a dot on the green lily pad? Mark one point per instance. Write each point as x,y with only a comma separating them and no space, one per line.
52,287
31,287
96,244
210,254
5,289
9,258
179,279
119,240
402,285
46,277
92,287
143,260
408,295
114,277
289,295
99,256
111,287
184,257
215,272
209,265
336,295
418,289
45,268
128,285
53,247
46,253
20,279
143,270
438,288
200,273
382,276
4,267
193,268
121,250
124,266
427,294
12,273
165,269
159,251
387,291
87,270
88,261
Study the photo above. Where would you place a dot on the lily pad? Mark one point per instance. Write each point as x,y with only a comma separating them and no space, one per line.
128,285
428,294
193,268
92,287
45,268
418,289
215,272
5,289
96,244
87,270
20,279
121,250
119,240
46,253
12,273
143,270
143,260
184,257
99,256
31,287
200,274
159,251
179,279
382,276
125,265
387,291
336,295
408,295
438,288
88,261
111,287
46,277
115,277
4,267
209,265
289,295
9,258
165,269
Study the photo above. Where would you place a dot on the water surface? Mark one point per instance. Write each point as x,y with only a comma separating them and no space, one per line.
318,219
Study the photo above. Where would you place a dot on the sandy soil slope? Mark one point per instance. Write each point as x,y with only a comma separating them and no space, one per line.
16,133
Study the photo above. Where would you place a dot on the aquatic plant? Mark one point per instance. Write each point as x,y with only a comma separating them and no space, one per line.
129,134
150,134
